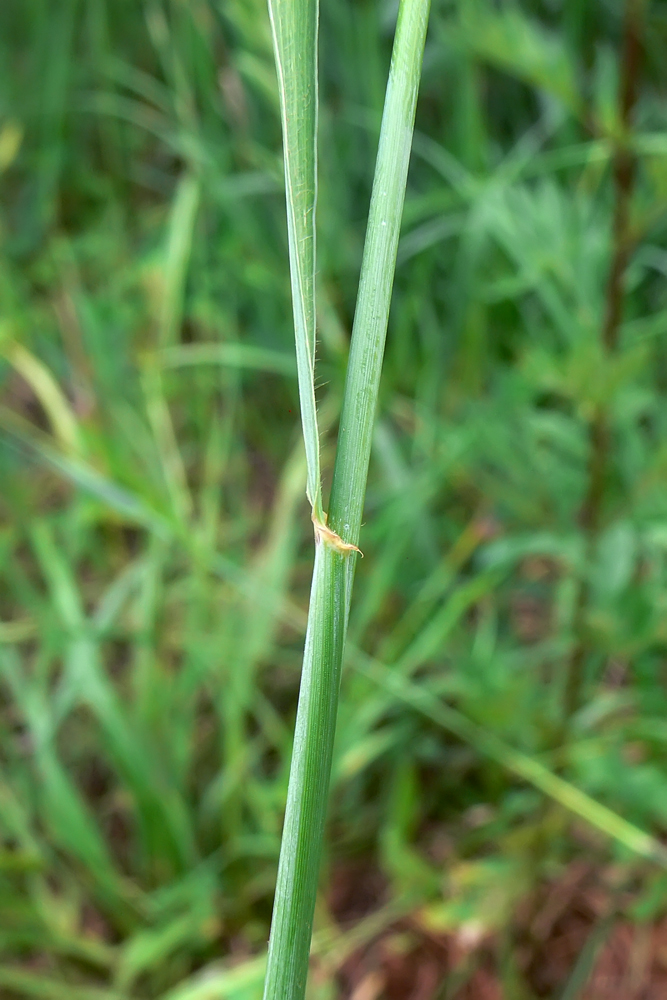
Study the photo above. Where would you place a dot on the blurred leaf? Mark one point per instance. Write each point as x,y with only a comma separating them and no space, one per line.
522,47
480,897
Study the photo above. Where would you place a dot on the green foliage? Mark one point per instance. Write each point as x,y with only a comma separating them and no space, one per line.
155,547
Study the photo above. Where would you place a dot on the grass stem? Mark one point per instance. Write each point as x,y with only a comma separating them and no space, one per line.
600,432
335,555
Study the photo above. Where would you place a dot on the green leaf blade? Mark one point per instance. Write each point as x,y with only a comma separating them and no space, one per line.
377,273
294,25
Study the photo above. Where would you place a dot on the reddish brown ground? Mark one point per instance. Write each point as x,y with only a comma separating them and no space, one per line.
628,961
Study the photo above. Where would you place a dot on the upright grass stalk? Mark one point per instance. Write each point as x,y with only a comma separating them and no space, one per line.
294,25
600,432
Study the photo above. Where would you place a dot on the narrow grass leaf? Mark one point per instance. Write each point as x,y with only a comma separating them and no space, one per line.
81,474
527,768
179,247
294,25
49,394
377,274
585,963
228,355
239,983
21,982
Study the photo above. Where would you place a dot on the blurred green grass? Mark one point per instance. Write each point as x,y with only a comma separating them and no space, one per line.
155,546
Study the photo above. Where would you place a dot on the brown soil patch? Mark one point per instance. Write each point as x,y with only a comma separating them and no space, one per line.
574,919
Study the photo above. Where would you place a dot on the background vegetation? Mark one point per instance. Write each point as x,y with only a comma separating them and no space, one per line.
508,640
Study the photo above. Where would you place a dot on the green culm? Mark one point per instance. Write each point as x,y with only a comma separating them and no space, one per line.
336,536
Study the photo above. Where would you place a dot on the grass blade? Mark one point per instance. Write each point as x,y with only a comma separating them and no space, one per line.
377,274
23,982
527,768
179,247
294,26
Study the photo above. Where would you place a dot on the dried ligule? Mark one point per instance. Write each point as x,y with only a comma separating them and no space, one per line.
325,534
